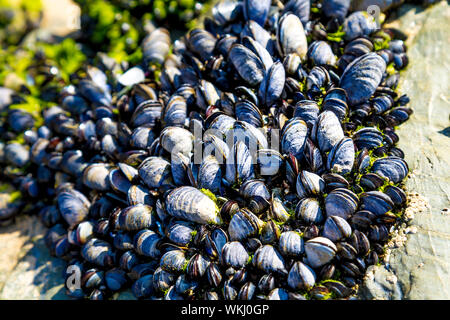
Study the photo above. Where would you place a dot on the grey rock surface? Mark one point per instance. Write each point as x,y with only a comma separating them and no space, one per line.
421,266
27,271
363,5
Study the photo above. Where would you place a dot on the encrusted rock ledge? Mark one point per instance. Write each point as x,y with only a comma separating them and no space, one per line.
419,268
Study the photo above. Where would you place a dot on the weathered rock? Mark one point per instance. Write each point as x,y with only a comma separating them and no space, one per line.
384,5
422,265
27,271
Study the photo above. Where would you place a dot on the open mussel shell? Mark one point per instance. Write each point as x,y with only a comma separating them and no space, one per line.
118,181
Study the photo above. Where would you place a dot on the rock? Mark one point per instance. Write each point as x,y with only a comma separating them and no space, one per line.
422,264
27,271
384,5
379,284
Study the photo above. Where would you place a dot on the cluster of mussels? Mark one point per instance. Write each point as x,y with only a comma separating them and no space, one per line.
128,203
